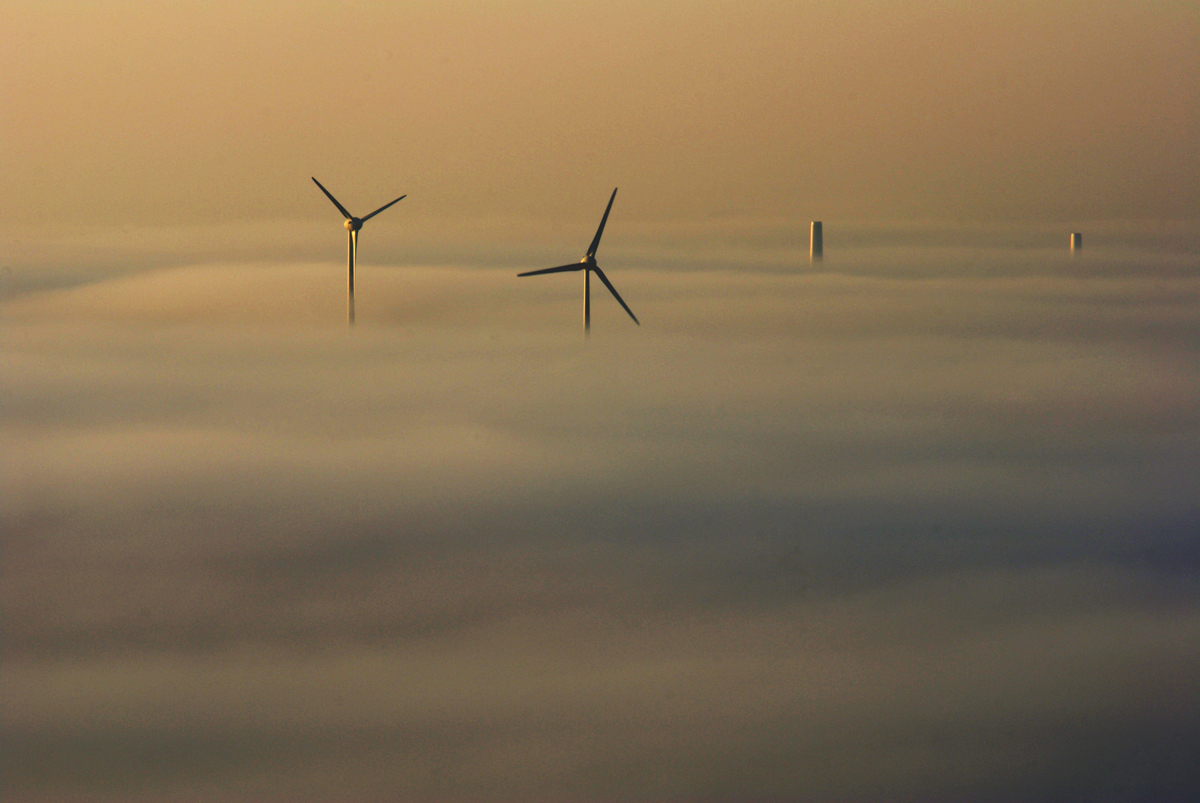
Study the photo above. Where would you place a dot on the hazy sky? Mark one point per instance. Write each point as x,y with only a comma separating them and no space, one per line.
144,113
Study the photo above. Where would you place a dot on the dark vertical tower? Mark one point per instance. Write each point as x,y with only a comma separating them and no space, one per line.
816,248
587,302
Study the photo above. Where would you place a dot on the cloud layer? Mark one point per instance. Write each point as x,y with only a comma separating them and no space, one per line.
918,524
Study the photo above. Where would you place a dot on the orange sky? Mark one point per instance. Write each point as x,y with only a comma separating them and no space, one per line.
187,112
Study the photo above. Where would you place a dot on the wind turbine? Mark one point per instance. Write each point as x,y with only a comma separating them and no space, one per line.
353,224
587,265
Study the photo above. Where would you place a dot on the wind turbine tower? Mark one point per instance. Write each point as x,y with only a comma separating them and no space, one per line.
587,265
352,224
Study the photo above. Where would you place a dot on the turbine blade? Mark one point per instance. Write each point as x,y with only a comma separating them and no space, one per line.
616,295
559,269
385,206
596,240
329,195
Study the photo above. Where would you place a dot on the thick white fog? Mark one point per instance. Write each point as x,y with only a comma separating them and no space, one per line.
919,522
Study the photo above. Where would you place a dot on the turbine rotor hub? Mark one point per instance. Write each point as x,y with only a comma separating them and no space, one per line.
353,224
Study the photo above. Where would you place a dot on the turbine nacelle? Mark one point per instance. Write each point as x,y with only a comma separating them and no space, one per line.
353,224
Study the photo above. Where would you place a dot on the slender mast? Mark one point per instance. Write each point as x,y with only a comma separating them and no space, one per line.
350,249
587,302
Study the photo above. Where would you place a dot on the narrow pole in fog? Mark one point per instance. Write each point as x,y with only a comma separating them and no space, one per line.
351,247
587,265
352,224
587,303
1076,241
816,248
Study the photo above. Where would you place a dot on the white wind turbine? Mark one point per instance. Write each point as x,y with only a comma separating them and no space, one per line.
587,265
353,224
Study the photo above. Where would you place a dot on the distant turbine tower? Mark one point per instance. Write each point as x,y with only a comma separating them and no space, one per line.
587,265
353,224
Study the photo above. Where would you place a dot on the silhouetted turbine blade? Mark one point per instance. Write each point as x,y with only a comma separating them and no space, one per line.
616,295
596,240
385,206
329,195
559,269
